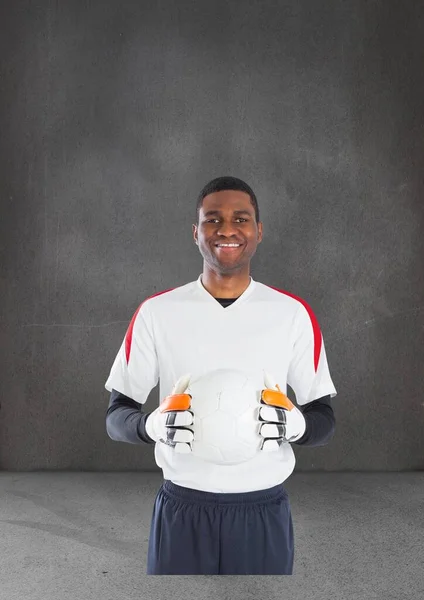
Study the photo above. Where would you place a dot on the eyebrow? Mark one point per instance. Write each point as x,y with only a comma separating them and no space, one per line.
236,212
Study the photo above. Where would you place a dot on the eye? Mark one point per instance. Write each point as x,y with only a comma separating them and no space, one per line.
238,219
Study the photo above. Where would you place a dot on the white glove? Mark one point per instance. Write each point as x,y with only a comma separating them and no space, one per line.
279,424
170,426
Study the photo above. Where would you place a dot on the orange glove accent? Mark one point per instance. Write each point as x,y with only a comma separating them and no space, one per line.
175,402
278,399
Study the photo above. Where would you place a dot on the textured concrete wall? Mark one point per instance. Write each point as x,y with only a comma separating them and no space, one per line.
115,114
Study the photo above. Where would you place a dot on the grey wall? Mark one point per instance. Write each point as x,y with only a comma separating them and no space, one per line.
114,115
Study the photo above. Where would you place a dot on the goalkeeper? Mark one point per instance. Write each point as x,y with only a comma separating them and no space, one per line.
222,519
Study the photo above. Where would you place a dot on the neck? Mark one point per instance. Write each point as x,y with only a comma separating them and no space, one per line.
225,286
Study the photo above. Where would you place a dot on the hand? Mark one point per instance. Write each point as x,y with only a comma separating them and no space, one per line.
281,420
168,423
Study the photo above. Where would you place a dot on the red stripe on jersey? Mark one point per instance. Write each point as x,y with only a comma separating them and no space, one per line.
315,325
129,334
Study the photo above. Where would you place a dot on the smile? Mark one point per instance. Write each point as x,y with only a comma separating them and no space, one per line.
228,249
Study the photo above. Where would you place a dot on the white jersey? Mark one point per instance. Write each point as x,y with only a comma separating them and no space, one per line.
186,330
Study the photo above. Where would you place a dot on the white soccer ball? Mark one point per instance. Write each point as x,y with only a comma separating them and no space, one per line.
225,404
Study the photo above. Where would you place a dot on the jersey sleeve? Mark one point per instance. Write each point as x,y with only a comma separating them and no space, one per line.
135,371
308,374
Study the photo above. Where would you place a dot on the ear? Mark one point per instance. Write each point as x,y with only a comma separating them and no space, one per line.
194,231
260,232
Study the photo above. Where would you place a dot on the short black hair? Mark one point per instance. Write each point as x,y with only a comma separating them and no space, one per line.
227,183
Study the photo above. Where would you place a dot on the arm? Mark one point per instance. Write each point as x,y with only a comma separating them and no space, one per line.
320,422
126,421
135,372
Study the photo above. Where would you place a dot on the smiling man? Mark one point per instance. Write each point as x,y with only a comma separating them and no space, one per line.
222,519
227,233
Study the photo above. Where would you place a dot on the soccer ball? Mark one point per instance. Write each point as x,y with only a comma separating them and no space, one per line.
225,404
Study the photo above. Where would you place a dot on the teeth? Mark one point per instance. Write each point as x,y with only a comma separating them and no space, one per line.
228,245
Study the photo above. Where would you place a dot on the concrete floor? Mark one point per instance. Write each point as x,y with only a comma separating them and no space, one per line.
83,536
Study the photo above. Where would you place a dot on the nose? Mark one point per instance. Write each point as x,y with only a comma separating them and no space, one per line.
227,229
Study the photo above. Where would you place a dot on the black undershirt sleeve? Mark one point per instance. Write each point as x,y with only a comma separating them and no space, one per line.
126,421
320,422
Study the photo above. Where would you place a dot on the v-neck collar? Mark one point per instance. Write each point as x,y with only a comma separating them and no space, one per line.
236,302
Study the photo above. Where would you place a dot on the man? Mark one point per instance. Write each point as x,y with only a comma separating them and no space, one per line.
222,519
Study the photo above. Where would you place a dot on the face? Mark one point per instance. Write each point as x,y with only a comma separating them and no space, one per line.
227,217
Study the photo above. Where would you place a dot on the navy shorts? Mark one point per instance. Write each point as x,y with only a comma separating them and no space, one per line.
203,533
